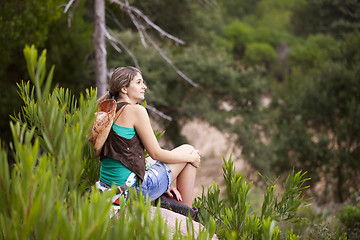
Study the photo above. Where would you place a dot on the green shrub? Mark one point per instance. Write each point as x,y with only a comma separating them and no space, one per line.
350,218
233,216
239,34
260,54
313,52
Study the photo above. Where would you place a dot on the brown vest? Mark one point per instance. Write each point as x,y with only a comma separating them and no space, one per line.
129,152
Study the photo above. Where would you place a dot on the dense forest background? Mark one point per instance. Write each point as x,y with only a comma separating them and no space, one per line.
282,75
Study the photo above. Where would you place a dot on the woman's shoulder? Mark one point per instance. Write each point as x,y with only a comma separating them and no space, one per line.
132,115
138,114
136,109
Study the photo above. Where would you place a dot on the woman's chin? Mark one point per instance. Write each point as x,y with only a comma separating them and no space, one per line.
140,99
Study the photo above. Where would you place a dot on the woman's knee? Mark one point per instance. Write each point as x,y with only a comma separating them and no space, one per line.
187,147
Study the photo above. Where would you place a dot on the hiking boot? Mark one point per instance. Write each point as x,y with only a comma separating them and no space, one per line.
174,205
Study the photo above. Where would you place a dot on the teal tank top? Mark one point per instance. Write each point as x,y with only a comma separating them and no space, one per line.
113,171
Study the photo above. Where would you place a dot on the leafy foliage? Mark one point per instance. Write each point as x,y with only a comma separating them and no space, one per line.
233,216
316,129
330,17
239,34
350,218
238,8
260,53
25,22
41,22
313,52
70,43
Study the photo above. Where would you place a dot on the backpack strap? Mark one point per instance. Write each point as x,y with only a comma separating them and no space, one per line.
120,106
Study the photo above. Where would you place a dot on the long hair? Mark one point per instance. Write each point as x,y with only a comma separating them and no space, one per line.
121,77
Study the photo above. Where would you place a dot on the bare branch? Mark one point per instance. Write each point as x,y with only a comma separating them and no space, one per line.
161,52
156,27
115,47
114,40
211,3
161,114
114,18
71,13
68,5
143,34
147,20
139,26
70,16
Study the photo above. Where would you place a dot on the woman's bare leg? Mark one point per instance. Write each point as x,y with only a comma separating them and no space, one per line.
185,183
184,174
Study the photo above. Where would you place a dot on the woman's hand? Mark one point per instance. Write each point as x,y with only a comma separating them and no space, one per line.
173,191
195,158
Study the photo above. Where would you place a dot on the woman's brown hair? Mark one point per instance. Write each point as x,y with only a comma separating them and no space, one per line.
121,77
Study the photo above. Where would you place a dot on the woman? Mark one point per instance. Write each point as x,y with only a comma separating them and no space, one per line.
123,153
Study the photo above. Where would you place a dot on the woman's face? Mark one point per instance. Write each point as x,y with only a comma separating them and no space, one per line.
136,89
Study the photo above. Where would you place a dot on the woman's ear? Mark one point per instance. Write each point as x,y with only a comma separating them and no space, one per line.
124,90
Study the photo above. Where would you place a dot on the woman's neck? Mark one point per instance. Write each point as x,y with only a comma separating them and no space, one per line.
125,100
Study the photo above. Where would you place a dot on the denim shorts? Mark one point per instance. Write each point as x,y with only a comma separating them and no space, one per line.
157,180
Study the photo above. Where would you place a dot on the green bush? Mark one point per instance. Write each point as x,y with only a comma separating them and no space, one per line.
239,34
233,215
260,54
313,52
350,218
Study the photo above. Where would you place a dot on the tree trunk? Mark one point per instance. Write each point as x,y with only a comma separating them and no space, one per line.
100,48
339,184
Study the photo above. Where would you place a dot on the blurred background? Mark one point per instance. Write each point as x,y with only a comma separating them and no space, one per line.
278,83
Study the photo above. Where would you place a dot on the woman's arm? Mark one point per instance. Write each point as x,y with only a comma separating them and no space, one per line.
147,136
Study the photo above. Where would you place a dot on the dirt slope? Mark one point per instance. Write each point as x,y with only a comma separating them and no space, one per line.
213,145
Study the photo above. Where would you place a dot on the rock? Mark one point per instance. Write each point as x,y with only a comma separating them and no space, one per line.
171,221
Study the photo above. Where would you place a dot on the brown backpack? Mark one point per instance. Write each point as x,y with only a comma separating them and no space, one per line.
102,125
